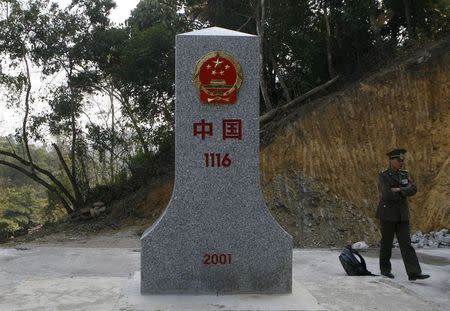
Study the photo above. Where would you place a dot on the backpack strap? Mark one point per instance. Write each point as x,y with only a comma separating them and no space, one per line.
361,259
363,262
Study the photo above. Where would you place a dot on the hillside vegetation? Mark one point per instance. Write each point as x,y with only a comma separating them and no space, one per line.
107,121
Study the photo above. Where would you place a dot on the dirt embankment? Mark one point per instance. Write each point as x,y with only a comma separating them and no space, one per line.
340,141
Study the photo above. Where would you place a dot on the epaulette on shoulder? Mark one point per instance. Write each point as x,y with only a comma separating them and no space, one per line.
384,171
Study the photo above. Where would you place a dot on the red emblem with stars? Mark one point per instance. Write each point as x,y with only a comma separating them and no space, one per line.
218,77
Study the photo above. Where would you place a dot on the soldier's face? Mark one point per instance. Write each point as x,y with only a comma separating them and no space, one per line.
397,163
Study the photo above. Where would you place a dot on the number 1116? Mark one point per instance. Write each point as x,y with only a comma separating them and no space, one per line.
217,160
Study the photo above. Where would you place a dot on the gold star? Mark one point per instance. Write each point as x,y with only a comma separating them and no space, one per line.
213,72
217,62
222,72
208,66
226,66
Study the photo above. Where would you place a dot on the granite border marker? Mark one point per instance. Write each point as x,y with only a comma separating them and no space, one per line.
216,236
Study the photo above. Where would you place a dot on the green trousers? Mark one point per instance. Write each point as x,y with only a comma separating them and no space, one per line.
401,230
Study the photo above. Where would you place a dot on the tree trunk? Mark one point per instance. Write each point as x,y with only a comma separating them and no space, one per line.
73,181
123,99
73,147
409,25
260,28
134,122
113,136
285,89
374,23
95,168
25,118
85,185
328,40
103,168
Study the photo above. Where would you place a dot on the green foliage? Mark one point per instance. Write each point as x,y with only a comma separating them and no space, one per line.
96,11
52,210
7,228
363,34
24,203
155,13
231,14
21,208
428,18
145,168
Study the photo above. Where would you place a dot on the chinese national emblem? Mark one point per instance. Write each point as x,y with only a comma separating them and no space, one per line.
218,77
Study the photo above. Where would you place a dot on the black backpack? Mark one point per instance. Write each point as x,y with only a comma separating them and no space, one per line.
351,264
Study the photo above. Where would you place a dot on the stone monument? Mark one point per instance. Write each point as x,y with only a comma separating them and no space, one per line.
216,236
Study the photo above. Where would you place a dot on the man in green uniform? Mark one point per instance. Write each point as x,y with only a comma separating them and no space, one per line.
395,186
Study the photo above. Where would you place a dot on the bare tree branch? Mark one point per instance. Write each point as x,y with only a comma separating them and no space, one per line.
42,171
129,113
245,24
11,145
73,182
40,181
271,114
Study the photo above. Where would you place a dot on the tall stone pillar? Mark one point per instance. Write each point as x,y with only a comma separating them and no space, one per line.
217,235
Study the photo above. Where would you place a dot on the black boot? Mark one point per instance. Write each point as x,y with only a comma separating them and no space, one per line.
418,276
388,274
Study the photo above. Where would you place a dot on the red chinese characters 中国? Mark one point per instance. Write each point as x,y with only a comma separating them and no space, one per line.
231,129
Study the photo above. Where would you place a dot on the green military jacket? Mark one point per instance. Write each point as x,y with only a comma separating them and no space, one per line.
393,206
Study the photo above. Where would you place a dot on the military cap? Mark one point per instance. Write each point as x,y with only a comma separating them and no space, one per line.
396,153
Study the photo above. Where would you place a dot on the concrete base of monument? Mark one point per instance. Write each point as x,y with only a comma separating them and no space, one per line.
131,299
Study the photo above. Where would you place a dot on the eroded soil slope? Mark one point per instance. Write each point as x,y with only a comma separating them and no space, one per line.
340,141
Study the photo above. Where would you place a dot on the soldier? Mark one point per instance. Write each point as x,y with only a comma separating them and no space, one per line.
395,186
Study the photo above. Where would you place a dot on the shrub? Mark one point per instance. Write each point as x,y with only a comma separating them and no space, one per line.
7,228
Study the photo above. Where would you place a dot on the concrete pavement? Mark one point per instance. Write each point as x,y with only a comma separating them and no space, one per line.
81,275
